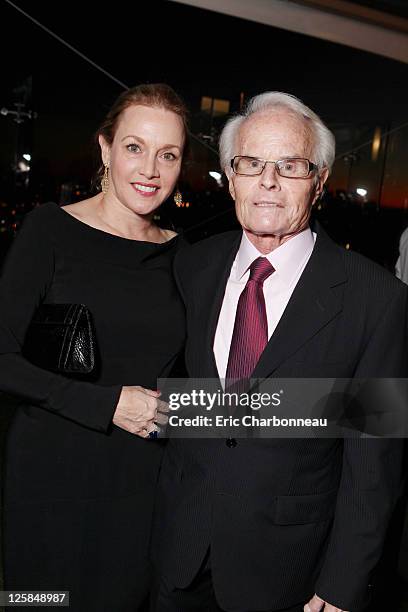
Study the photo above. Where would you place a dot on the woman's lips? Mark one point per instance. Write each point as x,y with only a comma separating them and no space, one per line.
145,189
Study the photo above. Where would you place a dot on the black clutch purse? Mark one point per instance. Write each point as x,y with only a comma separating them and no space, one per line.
61,338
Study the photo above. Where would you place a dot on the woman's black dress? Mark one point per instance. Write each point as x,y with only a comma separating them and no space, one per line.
78,491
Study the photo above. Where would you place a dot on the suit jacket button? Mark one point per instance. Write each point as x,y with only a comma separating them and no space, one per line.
231,442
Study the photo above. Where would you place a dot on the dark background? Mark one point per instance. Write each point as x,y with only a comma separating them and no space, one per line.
185,47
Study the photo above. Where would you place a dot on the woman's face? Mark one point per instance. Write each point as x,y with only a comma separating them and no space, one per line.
144,158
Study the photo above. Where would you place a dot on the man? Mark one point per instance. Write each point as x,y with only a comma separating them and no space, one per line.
281,524
401,267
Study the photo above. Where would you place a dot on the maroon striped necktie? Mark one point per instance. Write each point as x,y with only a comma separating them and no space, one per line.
250,335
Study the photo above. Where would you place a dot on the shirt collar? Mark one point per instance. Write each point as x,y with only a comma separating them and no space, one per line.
286,259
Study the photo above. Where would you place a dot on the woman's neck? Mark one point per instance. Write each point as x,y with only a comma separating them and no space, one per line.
127,223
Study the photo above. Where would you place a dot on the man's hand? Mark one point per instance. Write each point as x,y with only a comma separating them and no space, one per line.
316,604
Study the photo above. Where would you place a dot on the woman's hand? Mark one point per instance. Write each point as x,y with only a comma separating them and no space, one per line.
139,410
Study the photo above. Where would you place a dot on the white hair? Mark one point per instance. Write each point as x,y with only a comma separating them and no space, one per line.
324,142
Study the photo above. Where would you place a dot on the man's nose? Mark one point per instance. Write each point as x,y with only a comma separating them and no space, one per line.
270,178
149,167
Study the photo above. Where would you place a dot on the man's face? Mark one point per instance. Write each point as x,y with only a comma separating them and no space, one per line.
269,204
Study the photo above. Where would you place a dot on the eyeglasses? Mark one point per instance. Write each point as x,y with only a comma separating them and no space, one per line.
290,167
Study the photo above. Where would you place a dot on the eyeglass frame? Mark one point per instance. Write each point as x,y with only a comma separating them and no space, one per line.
312,166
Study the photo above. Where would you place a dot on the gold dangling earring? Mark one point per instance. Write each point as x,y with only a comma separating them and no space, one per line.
178,198
105,179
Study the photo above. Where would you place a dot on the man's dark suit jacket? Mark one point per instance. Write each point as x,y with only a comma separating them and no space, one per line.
285,518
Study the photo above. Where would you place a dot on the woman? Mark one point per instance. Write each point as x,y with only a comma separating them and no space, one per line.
80,473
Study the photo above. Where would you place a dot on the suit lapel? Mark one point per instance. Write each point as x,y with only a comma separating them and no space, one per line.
316,300
212,280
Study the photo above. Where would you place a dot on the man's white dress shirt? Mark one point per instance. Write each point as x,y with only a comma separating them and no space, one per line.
289,261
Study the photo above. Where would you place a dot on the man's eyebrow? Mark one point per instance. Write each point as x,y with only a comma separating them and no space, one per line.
291,156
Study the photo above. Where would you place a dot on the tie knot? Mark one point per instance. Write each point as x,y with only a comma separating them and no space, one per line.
260,269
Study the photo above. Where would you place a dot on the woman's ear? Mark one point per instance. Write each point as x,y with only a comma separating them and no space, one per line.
105,150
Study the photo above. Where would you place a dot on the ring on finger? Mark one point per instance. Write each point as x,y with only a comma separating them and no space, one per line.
154,431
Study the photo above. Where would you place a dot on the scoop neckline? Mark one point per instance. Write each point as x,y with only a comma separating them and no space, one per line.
108,234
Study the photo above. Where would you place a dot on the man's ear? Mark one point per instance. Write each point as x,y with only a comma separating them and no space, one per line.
231,186
105,150
322,178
